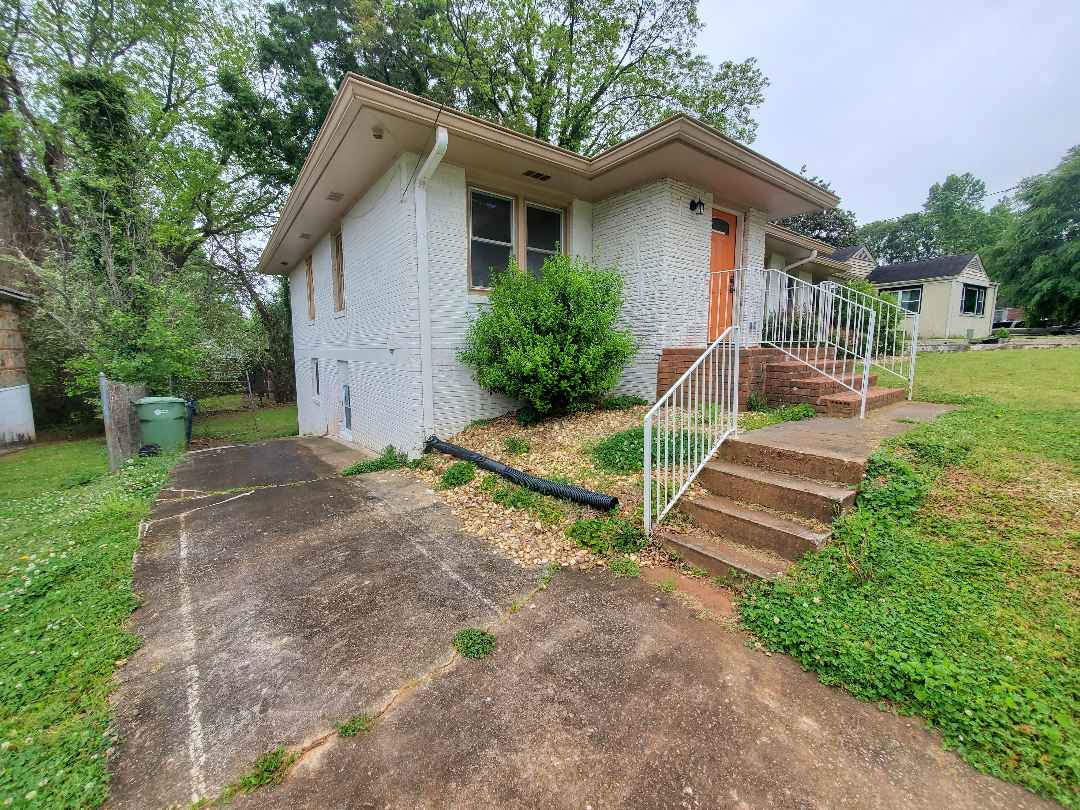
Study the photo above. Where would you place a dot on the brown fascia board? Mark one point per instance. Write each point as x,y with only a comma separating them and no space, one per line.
793,238
18,296
356,92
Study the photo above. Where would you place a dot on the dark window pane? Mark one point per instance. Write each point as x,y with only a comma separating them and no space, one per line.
544,227
491,217
484,258
534,260
721,226
974,300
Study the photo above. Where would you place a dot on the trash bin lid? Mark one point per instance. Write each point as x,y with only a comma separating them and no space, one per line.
157,400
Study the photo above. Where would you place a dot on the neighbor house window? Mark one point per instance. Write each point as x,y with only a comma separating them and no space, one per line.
315,376
491,236
910,298
543,235
973,301
310,290
338,271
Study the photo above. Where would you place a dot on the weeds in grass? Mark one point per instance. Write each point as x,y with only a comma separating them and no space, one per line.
457,474
269,769
943,611
474,643
608,536
515,445
389,459
357,724
666,585
624,567
757,402
548,574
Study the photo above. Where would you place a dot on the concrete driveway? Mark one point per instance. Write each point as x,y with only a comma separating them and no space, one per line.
279,600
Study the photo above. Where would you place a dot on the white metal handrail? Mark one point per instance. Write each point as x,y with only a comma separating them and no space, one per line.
691,420
827,332
896,334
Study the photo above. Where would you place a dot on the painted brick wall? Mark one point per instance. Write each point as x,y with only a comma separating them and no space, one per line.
378,333
662,251
753,257
458,399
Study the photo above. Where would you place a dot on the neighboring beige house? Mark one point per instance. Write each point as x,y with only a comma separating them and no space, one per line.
952,294
16,412
401,210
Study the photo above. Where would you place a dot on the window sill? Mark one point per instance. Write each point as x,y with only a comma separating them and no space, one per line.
340,313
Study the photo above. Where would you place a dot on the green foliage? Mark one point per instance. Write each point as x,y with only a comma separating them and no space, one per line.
551,340
621,452
457,474
623,402
474,643
515,445
667,586
961,613
389,459
1002,333
65,600
245,426
511,496
624,567
607,536
1037,259
834,226
907,238
269,769
357,724
757,401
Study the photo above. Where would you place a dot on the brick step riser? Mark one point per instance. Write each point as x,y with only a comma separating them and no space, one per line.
819,468
795,502
747,532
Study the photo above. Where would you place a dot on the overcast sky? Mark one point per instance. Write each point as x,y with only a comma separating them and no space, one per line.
883,99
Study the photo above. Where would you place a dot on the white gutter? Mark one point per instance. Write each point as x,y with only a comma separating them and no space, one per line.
423,276
793,265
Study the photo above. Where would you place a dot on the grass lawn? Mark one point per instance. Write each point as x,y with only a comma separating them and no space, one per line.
243,426
68,530
951,591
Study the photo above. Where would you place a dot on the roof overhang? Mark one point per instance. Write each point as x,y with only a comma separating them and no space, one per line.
370,124
794,245
18,296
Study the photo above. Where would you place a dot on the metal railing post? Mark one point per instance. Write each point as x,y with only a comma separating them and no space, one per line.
914,354
648,473
866,364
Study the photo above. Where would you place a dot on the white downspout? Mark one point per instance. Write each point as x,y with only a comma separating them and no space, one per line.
423,276
793,265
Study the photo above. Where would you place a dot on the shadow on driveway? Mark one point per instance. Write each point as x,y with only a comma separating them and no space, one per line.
272,614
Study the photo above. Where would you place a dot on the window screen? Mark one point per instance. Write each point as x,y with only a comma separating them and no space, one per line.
491,219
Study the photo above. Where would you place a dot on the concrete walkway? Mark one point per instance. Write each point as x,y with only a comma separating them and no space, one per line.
272,613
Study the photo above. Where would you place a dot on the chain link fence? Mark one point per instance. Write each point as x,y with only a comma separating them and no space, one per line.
233,410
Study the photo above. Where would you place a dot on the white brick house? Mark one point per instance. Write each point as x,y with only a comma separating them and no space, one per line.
422,202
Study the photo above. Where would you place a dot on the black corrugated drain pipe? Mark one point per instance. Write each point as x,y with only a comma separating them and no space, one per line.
568,492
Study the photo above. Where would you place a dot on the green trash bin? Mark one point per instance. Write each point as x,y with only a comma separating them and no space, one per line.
163,421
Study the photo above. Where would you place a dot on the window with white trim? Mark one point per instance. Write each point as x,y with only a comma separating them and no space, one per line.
909,298
973,300
491,236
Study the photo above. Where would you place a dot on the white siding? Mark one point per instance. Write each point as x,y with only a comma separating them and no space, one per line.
662,251
581,230
378,333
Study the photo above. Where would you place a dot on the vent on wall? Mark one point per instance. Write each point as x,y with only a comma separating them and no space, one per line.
305,236
335,196
537,175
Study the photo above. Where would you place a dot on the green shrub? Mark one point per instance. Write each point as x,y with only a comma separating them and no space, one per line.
606,536
515,445
389,459
550,341
457,474
796,413
624,452
624,567
474,643
511,496
621,403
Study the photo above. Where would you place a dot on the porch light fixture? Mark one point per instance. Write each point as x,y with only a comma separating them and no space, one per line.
697,206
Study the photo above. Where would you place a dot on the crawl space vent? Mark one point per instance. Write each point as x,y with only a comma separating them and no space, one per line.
335,196
537,175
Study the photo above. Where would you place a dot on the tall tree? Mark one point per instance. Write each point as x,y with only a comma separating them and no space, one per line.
835,226
1037,259
956,208
582,74
908,238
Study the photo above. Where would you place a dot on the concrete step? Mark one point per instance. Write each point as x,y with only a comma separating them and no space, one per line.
818,465
847,403
776,490
817,385
754,527
722,558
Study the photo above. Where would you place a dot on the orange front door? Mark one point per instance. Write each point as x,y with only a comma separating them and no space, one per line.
721,272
